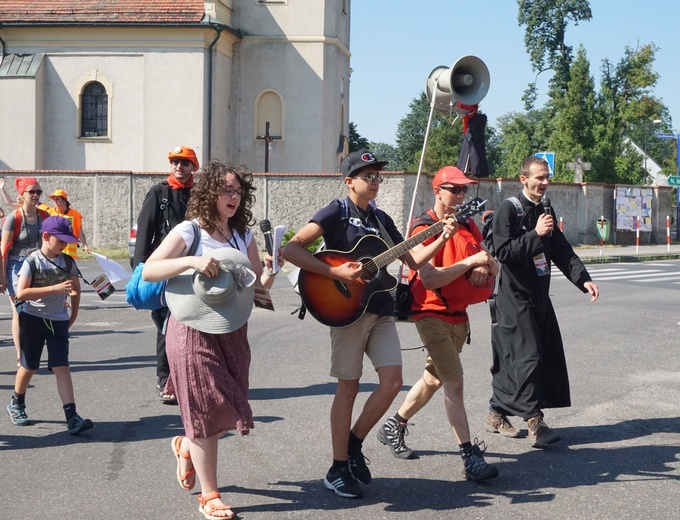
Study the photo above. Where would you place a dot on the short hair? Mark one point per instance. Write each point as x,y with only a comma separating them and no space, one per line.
530,161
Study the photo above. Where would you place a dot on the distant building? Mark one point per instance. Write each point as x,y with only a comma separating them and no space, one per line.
116,84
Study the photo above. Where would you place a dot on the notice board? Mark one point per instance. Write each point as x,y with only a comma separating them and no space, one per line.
632,202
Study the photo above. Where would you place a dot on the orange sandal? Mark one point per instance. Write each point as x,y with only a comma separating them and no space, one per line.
209,509
177,450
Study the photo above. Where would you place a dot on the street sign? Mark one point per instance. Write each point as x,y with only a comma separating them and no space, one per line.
667,136
550,158
674,180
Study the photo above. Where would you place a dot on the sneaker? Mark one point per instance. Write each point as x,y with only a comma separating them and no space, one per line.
77,424
540,434
392,434
343,483
498,423
358,466
17,414
476,467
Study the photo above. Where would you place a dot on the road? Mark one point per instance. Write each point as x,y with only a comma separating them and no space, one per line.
619,457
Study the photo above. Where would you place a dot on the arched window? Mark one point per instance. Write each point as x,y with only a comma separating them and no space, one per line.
94,112
269,109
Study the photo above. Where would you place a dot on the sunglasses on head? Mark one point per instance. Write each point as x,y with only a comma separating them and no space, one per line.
456,190
183,162
34,192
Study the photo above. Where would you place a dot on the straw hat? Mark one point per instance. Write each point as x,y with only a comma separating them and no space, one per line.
214,305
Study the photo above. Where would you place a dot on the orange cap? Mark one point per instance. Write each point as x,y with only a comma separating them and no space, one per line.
59,193
184,152
451,175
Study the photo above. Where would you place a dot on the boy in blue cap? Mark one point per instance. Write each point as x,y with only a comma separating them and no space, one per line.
46,278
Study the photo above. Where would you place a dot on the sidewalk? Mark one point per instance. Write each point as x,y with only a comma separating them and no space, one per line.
613,253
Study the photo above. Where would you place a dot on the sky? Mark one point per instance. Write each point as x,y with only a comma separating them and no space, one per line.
395,44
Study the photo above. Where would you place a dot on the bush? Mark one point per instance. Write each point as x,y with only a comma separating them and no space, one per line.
311,247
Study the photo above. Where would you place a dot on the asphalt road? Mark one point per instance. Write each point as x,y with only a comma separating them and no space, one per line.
619,457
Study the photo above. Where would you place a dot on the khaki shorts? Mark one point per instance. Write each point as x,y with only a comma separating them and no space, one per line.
444,342
374,335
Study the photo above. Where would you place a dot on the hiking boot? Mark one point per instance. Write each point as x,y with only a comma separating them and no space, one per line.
358,466
77,424
498,423
392,434
540,434
343,483
17,414
476,467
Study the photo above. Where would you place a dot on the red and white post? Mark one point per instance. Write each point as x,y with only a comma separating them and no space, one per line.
637,235
668,233
561,225
601,235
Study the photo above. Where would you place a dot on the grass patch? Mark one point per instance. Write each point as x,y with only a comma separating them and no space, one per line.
114,253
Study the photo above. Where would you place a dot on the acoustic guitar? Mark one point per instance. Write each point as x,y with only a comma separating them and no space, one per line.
338,304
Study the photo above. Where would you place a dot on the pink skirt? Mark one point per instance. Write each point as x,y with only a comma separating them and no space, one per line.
210,378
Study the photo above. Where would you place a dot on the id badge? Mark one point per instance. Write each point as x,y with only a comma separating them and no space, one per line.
541,265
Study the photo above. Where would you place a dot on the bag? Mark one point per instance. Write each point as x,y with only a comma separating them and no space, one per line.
402,301
151,295
487,220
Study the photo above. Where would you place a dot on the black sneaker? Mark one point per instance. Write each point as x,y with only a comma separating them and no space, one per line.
17,414
77,424
358,466
476,467
392,434
343,483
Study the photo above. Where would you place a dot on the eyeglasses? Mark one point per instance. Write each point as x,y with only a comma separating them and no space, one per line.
229,192
456,190
183,162
373,177
34,192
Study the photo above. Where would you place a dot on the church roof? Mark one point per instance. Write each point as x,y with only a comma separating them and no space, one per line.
118,12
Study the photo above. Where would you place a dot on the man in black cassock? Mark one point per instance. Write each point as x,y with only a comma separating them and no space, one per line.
529,368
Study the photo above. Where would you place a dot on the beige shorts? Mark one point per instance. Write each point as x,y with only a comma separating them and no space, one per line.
373,335
444,342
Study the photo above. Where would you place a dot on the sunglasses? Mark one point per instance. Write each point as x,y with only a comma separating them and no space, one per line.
34,192
229,192
456,190
183,162
373,177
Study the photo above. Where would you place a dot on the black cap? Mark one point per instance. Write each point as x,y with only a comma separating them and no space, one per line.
359,159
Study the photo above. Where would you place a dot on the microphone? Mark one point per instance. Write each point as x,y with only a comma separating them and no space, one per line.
547,208
266,228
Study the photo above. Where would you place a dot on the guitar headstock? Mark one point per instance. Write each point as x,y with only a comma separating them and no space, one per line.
470,209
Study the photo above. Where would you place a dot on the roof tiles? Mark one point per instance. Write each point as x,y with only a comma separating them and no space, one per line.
101,11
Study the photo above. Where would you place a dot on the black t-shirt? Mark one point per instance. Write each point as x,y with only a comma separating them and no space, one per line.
344,225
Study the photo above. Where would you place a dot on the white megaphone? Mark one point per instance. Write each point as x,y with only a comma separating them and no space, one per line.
466,82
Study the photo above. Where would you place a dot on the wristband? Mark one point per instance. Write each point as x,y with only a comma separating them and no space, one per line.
269,273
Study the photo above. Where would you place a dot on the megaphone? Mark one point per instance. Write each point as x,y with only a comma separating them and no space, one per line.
466,82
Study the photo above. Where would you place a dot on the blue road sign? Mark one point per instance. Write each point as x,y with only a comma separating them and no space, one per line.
667,136
550,158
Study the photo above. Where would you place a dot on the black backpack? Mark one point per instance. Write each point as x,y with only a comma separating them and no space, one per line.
487,220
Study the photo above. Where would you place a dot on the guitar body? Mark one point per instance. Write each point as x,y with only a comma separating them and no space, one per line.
338,304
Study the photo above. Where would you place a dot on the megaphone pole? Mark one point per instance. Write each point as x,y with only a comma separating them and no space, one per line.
415,189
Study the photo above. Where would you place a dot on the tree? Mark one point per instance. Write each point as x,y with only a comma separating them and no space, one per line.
385,152
545,23
411,133
356,142
573,128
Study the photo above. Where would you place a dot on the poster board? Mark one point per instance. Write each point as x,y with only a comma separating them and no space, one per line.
631,202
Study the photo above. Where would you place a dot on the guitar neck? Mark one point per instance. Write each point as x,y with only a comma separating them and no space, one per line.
395,252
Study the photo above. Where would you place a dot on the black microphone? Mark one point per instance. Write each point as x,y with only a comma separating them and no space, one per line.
547,209
266,228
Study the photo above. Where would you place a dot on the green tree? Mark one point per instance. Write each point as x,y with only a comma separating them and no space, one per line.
521,135
573,126
411,133
545,23
385,152
356,142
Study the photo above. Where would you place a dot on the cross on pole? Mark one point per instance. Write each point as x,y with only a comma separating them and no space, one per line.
578,166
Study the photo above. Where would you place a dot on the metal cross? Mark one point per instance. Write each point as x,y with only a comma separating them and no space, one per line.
578,166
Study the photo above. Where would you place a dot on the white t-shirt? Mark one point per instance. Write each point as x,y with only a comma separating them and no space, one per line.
52,307
208,243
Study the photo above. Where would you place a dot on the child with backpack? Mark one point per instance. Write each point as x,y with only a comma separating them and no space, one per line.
46,278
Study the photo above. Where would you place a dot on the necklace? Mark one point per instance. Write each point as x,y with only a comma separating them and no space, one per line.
360,212
225,238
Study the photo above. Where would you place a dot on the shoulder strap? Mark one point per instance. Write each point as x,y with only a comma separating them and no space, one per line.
196,240
518,206
164,206
424,219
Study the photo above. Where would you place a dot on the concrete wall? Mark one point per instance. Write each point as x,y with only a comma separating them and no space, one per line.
111,201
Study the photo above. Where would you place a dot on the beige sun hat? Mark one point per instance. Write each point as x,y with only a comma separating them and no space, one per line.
214,305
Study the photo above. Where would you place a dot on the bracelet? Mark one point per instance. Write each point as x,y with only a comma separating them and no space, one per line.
269,273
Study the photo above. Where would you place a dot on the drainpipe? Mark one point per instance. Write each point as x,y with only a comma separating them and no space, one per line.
218,30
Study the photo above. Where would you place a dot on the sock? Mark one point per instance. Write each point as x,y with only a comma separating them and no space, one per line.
466,446
354,441
400,419
69,410
338,465
19,399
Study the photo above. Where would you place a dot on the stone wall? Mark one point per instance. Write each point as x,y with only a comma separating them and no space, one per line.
110,201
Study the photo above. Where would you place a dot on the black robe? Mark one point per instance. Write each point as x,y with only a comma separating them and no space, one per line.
529,368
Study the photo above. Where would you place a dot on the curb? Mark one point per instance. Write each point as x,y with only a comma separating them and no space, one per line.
629,258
